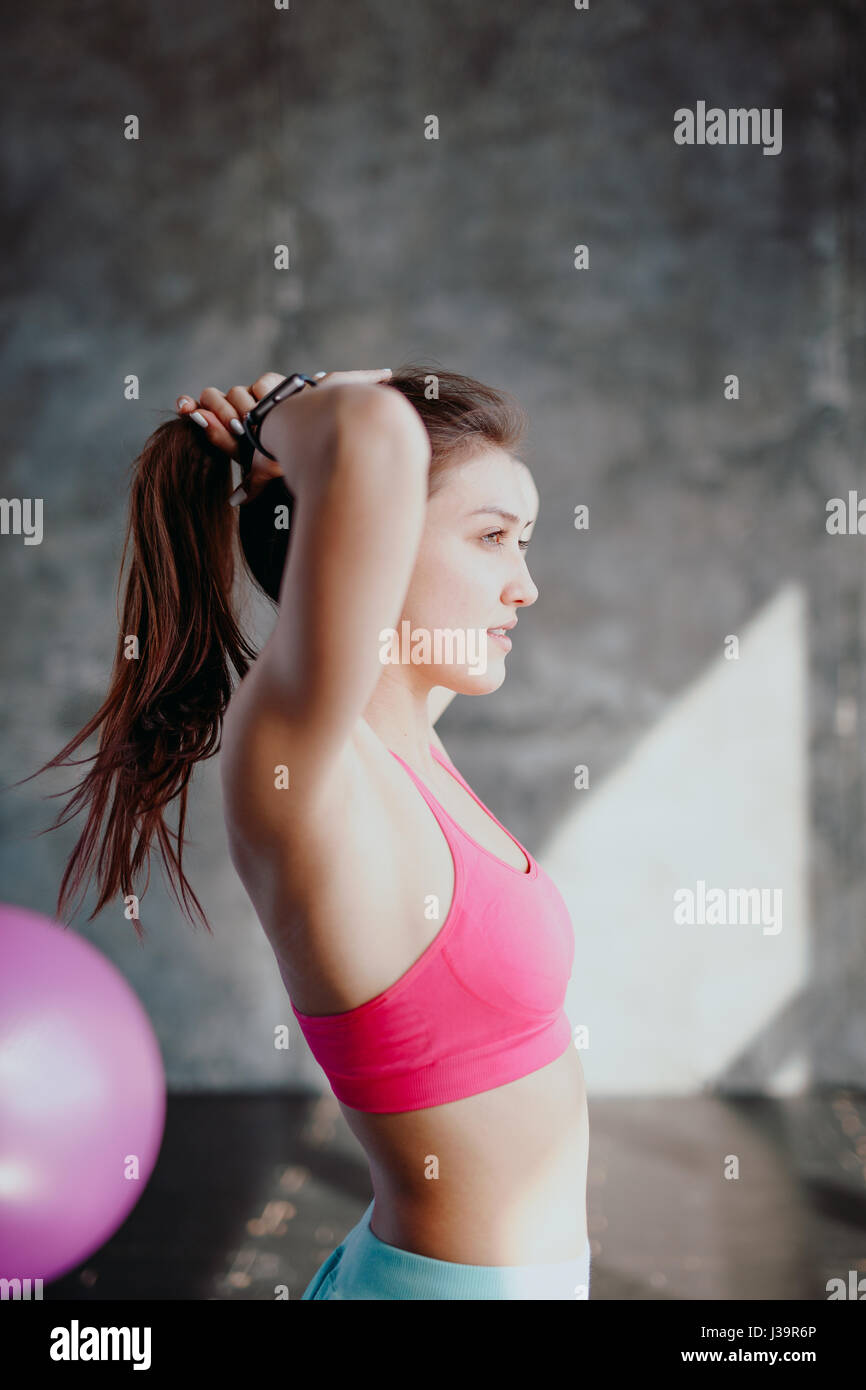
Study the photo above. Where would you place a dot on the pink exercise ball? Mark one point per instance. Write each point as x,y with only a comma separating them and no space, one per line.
82,1097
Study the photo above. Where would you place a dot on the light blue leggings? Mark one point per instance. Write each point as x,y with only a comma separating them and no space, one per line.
363,1266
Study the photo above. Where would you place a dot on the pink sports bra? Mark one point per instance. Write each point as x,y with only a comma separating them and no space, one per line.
481,1006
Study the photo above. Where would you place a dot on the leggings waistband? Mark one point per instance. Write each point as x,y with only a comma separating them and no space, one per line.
365,1267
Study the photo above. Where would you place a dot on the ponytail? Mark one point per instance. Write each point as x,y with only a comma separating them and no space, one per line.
172,675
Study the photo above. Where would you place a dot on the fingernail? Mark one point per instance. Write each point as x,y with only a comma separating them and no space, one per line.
199,419
183,400
239,495
236,426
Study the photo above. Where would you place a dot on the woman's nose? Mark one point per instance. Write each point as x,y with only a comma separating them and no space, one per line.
521,590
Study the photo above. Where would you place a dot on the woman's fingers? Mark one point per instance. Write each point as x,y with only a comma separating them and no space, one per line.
266,382
219,413
240,399
208,422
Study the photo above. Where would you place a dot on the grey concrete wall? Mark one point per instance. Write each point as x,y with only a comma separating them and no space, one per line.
707,515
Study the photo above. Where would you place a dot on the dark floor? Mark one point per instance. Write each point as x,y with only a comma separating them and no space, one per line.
254,1191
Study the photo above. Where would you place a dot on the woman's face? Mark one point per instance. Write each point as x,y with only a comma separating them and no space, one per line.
471,573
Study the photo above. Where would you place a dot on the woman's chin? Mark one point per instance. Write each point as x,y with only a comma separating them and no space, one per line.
481,682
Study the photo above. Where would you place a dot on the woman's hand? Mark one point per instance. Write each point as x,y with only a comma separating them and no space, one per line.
219,415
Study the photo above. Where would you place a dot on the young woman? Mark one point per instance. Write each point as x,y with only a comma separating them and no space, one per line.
425,952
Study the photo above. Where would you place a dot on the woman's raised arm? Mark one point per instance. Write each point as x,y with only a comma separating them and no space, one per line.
356,459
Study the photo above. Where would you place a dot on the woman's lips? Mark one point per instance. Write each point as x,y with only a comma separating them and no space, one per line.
501,637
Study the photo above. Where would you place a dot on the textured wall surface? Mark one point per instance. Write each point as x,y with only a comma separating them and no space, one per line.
707,515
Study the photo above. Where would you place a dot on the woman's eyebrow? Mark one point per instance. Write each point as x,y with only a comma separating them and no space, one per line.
501,511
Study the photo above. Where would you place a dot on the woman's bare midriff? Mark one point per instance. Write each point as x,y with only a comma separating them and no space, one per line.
511,1162
496,1178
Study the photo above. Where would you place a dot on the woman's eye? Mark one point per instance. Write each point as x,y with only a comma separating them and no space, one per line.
524,545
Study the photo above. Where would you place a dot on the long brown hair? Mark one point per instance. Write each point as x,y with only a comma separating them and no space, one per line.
180,643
